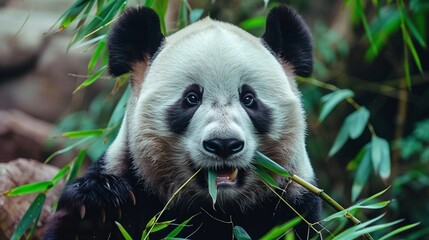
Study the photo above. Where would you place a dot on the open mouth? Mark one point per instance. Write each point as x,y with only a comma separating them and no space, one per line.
226,176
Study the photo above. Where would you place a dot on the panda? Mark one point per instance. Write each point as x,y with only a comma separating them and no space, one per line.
206,98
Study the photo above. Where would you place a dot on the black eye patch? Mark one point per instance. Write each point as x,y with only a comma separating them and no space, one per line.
180,113
258,112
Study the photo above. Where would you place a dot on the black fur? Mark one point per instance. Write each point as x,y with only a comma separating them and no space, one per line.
287,35
135,37
180,113
259,113
91,191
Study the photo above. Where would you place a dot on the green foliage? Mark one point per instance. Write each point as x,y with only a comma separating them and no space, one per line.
91,136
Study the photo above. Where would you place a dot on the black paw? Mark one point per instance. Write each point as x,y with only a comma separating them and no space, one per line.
89,207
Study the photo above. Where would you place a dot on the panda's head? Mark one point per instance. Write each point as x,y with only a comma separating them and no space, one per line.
208,97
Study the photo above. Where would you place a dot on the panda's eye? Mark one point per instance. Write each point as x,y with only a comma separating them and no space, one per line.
192,99
248,99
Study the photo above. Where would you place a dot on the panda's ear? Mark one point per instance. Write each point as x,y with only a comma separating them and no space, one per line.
287,35
134,39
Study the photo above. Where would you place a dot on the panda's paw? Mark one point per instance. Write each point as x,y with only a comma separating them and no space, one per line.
89,207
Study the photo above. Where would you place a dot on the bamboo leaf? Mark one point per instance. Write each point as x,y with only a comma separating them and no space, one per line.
254,22
161,225
281,230
73,12
380,156
361,231
413,50
357,122
332,100
398,230
241,234
30,217
64,150
212,176
91,79
96,55
265,162
124,232
84,133
179,228
362,173
266,177
75,165
182,18
341,139
414,31
61,173
29,188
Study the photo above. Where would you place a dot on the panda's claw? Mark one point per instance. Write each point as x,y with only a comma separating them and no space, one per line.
133,197
82,211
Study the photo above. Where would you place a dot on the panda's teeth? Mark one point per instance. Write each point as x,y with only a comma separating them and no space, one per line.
233,175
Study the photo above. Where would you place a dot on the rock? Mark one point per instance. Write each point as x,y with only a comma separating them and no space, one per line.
22,38
17,173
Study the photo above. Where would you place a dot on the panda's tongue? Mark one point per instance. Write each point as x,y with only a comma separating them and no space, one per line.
226,176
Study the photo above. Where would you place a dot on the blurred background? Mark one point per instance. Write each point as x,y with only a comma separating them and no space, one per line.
371,66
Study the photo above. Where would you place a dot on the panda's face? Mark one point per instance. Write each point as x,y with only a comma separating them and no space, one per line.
210,99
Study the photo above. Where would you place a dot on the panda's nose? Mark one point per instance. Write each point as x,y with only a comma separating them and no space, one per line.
223,147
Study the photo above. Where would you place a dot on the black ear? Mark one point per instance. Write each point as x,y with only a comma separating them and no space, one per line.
289,38
135,38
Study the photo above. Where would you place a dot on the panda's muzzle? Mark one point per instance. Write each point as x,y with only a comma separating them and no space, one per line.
223,147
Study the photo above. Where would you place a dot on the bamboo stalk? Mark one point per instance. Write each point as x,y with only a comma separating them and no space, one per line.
320,193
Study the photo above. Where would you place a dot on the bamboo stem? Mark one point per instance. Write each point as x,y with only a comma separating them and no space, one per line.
320,193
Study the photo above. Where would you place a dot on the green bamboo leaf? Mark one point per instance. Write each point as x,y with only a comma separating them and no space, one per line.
29,188
106,15
361,231
378,205
361,13
414,31
75,165
179,228
398,230
30,217
85,14
362,173
119,111
195,14
254,22
357,122
182,17
212,176
96,55
341,139
413,50
380,156
241,234
61,173
84,133
355,162
91,79
387,23
265,176
332,100
64,150
265,162
74,11
124,232
372,197
161,225
281,230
